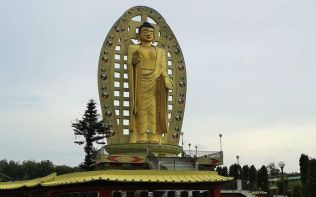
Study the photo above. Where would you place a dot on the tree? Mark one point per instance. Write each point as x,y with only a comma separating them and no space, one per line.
225,171
311,180
263,182
297,190
219,170
245,177
222,170
14,170
92,130
273,170
304,168
45,167
63,169
234,171
6,172
245,173
281,184
30,170
253,177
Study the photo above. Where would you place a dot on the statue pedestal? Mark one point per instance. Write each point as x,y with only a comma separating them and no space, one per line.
135,156
142,149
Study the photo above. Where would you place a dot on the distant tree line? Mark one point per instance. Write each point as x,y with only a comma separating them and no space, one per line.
307,188
14,171
252,179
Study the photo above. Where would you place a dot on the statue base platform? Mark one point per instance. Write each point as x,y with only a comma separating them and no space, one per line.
135,156
142,149
154,156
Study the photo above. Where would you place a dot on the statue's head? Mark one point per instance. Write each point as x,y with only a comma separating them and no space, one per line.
146,32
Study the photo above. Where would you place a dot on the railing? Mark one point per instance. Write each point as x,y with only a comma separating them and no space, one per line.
207,154
203,158
176,163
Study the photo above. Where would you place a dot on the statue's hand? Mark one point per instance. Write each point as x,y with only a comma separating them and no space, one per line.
137,57
169,83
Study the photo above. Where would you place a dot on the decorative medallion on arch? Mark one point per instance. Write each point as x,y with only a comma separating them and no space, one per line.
113,76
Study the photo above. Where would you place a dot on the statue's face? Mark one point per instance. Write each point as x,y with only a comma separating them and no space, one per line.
147,34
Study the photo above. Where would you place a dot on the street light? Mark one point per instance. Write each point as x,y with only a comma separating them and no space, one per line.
237,157
182,138
182,144
281,165
196,151
190,149
239,185
220,141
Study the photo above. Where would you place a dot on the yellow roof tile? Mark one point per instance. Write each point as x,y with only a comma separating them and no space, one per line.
120,176
28,183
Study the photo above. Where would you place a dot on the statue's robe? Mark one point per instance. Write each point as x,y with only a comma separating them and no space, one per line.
144,90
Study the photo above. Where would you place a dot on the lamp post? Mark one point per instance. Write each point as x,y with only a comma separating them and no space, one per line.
281,165
196,151
238,167
189,149
182,143
237,157
239,185
182,138
220,141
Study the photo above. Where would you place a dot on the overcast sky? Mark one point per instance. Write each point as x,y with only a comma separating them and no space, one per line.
251,75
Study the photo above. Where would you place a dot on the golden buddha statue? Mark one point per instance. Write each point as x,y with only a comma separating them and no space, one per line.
149,84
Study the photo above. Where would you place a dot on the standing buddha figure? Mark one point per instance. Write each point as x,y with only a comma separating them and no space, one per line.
148,86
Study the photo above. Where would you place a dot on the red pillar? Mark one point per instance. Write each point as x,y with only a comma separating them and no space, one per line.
105,192
215,191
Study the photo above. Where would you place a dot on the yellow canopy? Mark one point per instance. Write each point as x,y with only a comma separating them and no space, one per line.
120,176
28,183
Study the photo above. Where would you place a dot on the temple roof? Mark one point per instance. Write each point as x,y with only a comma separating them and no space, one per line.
155,176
